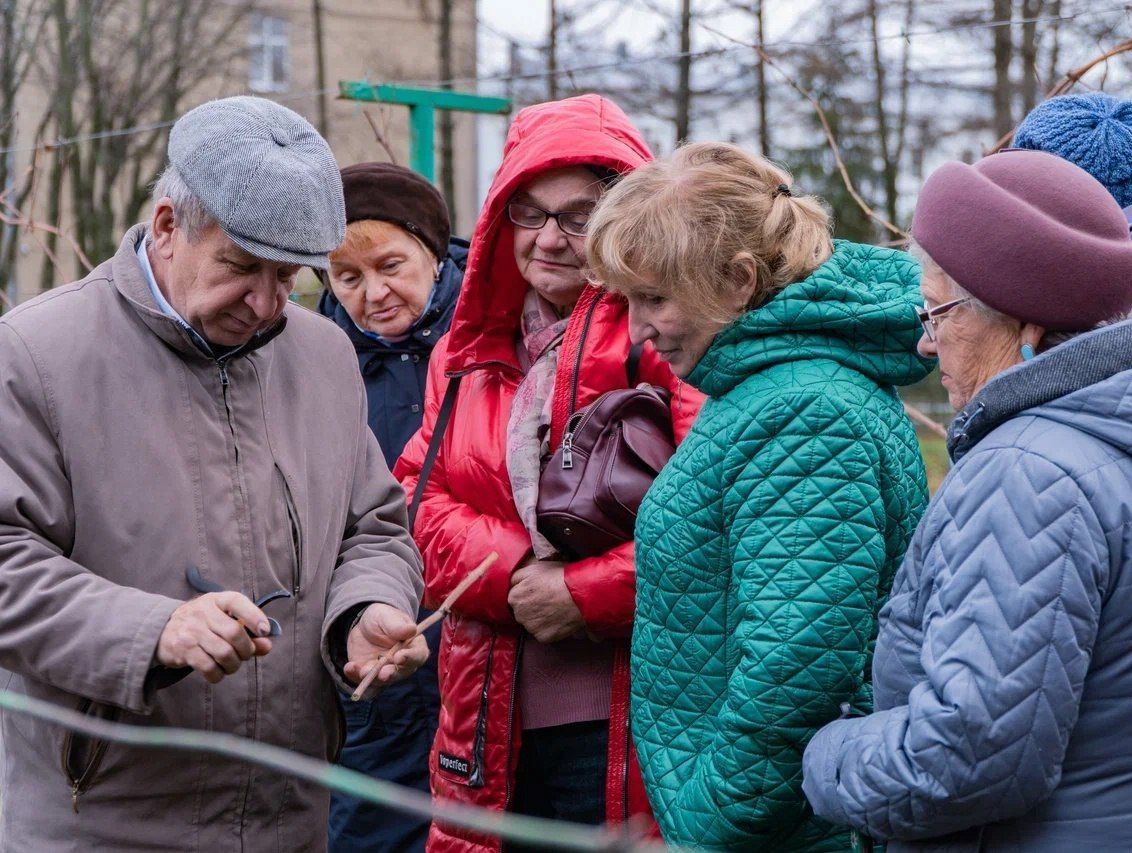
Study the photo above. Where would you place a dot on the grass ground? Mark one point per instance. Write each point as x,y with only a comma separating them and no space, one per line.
934,451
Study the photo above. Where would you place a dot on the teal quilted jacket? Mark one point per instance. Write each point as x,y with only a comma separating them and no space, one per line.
766,548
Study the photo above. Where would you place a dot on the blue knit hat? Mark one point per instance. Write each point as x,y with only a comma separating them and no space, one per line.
1093,131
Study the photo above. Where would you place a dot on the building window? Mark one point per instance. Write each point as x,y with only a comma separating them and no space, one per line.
268,62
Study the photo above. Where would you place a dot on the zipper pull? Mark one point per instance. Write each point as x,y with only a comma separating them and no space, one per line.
568,451
223,374
75,797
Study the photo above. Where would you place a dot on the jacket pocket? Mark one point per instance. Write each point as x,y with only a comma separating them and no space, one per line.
82,756
460,745
296,532
340,733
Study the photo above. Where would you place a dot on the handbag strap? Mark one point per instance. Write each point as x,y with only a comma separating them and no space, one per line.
633,363
442,419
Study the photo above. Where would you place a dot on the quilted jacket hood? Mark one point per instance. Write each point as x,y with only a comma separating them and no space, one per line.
858,309
1078,383
584,131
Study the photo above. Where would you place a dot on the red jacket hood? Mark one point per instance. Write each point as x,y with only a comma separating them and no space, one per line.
584,131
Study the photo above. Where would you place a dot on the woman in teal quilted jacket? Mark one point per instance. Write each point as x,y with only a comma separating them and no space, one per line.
768,544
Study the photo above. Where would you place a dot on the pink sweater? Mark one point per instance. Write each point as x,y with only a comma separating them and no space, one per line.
564,682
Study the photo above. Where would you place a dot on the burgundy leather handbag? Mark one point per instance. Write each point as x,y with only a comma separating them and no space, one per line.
593,485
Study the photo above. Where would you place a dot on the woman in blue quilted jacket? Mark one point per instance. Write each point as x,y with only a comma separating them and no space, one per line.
766,546
1002,675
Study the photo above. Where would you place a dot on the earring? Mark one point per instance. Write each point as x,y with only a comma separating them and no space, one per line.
1027,352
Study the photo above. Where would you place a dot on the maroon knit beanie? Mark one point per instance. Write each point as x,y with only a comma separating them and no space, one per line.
1032,236
395,194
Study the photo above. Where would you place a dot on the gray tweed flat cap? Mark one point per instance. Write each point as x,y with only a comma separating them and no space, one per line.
266,175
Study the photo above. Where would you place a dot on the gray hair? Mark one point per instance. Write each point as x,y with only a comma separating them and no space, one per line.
1049,339
188,212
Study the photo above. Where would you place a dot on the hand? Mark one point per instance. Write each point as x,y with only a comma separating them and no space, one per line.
541,602
380,628
204,633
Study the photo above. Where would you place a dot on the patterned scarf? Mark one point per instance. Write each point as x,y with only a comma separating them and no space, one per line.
528,428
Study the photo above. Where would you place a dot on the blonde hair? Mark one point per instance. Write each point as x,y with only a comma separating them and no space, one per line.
362,234
688,224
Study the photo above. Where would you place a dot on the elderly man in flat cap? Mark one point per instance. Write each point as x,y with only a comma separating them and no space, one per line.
197,527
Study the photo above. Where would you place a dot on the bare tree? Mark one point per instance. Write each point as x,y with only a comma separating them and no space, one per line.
1028,53
117,74
320,68
21,28
447,125
1003,91
891,113
684,71
552,53
757,11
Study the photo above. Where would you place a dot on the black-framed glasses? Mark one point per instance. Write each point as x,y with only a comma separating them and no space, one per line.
572,222
930,318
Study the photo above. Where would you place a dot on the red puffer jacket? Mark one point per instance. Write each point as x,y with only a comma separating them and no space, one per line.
467,510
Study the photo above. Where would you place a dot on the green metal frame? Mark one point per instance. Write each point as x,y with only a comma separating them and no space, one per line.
423,104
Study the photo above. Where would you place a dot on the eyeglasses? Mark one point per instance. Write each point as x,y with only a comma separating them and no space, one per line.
572,222
931,318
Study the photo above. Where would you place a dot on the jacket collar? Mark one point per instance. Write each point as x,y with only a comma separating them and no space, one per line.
130,281
1078,363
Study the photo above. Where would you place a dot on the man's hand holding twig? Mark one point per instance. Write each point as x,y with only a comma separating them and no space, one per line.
380,629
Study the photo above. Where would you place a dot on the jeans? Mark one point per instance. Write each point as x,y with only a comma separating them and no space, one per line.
561,774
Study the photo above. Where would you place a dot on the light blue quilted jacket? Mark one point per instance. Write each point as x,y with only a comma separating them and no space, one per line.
1003,670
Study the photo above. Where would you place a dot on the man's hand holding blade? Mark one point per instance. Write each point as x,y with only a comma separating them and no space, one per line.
208,634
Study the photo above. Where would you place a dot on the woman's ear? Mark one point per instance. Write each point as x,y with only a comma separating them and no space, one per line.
745,281
1031,335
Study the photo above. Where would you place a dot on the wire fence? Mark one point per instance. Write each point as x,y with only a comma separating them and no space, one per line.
538,832
500,79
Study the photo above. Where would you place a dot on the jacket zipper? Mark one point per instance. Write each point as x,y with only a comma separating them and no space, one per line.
476,780
581,349
98,752
573,427
224,382
568,438
625,770
511,718
222,367
82,784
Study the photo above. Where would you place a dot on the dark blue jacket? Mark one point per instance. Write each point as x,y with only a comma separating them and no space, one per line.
390,737
395,373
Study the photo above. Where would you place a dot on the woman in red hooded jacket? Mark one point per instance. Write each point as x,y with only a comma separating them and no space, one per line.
534,657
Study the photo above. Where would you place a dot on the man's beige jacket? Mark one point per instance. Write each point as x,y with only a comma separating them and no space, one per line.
127,457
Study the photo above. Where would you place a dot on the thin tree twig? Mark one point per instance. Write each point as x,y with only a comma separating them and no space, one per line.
444,609
829,135
380,136
32,226
924,421
1068,82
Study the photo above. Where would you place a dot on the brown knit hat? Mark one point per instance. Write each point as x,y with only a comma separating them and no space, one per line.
395,194
1032,236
